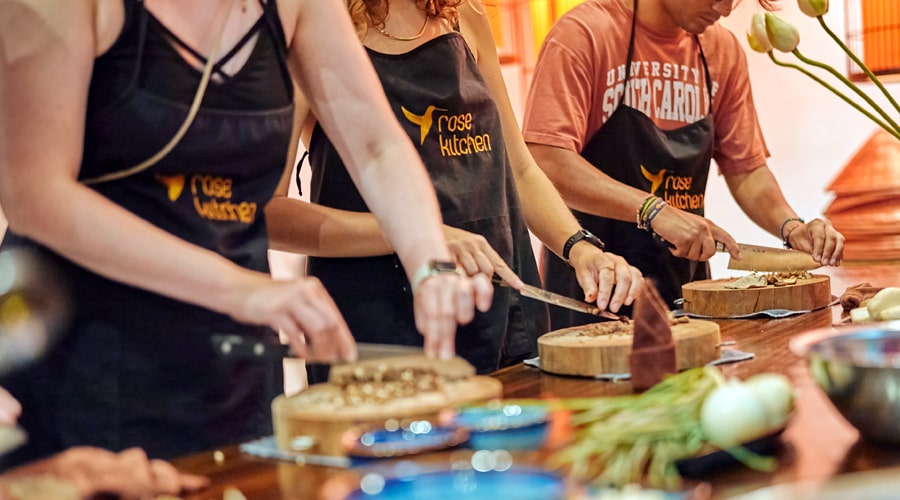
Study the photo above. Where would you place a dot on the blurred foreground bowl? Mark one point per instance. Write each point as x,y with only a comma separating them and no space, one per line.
858,367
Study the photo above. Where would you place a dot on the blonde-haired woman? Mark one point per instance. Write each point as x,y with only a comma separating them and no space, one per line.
140,141
439,67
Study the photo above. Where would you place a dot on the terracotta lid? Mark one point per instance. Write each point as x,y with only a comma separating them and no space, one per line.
874,167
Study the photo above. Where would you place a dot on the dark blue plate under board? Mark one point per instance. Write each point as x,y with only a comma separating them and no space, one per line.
515,483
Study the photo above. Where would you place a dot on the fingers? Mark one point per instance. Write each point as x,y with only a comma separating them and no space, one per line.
167,479
445,300
10,409
820,239
629,280
475,255
306,314
484,291
434,305
691,237
606,279
722,237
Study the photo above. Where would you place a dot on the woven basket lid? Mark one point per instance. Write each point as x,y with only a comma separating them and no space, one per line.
874,167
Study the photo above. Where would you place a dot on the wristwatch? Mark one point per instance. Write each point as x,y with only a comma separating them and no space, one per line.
433,268
582,234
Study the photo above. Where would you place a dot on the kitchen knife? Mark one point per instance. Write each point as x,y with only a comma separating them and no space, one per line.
770,260
533,292
242,346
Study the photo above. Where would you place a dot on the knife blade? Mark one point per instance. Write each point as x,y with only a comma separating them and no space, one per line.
769,260
533,292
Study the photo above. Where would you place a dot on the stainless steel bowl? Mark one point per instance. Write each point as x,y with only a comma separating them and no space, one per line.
858,367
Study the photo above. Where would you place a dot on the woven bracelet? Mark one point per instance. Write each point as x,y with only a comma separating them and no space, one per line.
784,237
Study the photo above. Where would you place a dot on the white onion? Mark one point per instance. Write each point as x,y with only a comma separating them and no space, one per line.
776,395
732,414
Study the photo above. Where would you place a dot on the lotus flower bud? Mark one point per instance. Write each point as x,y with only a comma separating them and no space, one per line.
757,37
783,35
813,8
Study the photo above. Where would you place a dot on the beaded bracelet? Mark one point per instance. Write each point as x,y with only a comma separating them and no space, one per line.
784,237
642,212
655,209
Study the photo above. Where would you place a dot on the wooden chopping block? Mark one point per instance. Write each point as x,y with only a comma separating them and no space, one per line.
311,422
603,348
711,298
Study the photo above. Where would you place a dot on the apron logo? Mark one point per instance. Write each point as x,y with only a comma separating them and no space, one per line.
212,197
656,180
455,137
676,189
424,121
174,185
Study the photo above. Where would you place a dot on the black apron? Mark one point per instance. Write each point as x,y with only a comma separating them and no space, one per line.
137,368
671,164
442,101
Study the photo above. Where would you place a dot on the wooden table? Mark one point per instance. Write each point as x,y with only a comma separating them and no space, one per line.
819,443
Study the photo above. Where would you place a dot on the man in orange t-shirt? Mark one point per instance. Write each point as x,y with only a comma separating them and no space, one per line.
633,164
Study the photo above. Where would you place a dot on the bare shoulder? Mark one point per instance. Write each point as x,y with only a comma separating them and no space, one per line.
27,25
475,27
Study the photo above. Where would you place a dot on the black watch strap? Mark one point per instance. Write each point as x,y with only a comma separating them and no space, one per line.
581,234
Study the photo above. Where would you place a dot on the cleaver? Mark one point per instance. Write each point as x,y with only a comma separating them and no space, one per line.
769,259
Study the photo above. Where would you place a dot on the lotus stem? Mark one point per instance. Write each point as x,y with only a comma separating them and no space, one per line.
849,84
858,62
846,99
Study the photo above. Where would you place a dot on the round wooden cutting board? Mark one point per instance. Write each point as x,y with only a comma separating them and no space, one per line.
603,348
711,297
307,422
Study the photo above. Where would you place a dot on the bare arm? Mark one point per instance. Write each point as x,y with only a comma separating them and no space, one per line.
545,212
301,227
48,49
347,99
86,472
758,194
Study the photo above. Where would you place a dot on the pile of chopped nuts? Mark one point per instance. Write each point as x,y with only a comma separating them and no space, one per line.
381,383
787,277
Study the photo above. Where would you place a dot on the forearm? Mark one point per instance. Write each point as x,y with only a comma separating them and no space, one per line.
586,188
377,152
546,214
405,203
301,227
758,194
116,244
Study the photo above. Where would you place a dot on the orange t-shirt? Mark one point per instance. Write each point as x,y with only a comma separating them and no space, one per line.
579,80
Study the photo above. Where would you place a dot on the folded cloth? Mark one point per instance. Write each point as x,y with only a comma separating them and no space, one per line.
653,354
857,294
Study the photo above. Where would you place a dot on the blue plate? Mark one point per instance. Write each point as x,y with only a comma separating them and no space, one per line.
509,426
515,483
420,438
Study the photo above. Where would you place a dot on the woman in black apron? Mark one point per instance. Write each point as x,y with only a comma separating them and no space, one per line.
137,367
443,101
